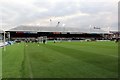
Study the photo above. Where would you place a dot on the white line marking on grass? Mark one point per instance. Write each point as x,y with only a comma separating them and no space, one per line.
29,66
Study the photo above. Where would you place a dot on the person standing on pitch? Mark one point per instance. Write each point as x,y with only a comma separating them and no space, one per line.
44,41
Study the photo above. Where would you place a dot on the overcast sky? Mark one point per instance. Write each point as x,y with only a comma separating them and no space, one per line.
70,13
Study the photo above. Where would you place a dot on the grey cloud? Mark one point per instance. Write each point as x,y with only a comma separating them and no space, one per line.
15,13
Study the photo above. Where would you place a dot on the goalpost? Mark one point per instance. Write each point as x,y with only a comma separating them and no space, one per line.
40,39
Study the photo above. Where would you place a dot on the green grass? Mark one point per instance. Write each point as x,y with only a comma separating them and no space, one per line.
0,63
61,60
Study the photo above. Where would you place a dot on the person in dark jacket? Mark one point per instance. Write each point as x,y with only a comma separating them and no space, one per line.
44,41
